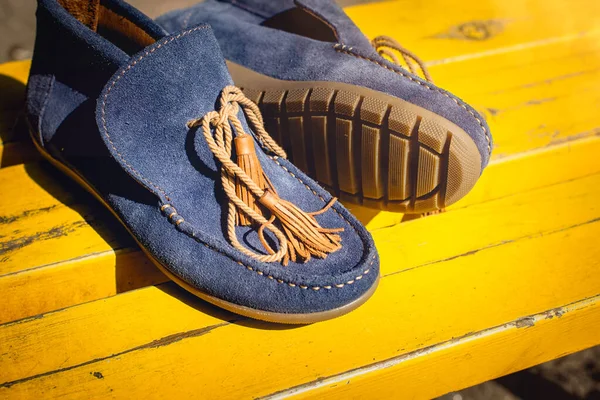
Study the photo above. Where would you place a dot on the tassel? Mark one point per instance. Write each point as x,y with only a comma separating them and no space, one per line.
248,162
305,236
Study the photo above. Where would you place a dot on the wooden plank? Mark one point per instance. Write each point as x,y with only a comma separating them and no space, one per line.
541,72
147,341
445,31
14,148
534,75
110,336
37,211
56,286
53,234
533,66
537,67
97,259
468,360
534,97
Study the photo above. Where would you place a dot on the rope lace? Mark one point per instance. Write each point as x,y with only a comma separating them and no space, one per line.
384,45
250,192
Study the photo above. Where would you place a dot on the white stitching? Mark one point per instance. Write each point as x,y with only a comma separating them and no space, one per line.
164,206
345,50
186,20
104,101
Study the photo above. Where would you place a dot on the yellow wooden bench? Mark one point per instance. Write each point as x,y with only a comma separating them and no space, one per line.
505,279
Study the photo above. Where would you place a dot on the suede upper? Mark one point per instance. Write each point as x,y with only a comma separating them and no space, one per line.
244,39
119,120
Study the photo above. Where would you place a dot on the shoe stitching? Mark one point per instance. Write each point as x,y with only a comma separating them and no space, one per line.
110,88
186,19
42,110
298,234
315,288
348,50
178,222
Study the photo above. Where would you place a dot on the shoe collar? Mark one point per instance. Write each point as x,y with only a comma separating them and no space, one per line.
107,15
339,27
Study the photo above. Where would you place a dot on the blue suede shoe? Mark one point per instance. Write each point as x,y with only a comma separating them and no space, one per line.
364,127
149,124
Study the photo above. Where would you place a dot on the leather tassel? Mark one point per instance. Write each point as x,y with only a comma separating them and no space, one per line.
306,238
249,163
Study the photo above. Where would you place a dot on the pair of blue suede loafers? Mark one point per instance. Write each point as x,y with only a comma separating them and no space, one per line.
215,181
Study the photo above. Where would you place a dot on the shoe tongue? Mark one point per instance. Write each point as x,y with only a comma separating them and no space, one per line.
143,110
346,31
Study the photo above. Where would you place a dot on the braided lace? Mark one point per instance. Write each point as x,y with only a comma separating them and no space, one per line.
384,46
249,191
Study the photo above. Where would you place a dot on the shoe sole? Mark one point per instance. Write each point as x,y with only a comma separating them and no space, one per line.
365,146
282,318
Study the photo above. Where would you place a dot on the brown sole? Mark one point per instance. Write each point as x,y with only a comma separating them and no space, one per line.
365,146
268,316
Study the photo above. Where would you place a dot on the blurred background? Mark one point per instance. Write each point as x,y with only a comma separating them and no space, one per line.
573,377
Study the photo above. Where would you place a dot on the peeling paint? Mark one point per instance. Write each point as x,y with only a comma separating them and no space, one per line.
571,138
493,111
477,30
20,321
58,231
533,102
97,375
13,218
556,312
540,101
526,322
156,343
179,336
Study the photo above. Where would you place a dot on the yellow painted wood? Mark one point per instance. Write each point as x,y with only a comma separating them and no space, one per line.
30,273
149,331
32,225
52,287
50,239
17,71
467,360
549,80
81,240
537,90
442,31
14,148
23,248
492,286
523,64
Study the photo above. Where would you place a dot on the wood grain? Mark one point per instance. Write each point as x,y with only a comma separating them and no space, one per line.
505,279
429,301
